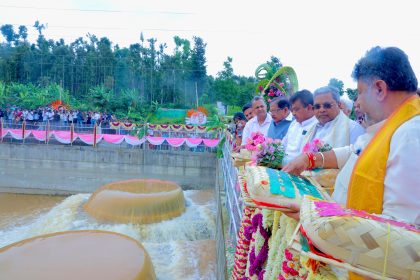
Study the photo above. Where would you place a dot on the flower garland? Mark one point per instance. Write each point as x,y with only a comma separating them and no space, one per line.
291,267
278,246
322,272
242,245
274,244
259,251
268,218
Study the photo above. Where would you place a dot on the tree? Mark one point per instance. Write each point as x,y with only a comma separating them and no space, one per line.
94,72
38,26
227,72
337,84
8,33
198,64
352,93
23,32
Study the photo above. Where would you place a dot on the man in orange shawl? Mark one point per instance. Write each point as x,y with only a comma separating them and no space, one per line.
380,172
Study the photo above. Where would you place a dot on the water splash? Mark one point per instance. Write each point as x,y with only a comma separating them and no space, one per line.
176,246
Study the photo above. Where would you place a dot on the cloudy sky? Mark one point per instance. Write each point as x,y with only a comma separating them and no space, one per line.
320,39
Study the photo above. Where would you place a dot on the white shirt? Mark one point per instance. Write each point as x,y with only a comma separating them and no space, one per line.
355,130
253,126
293,141
401,194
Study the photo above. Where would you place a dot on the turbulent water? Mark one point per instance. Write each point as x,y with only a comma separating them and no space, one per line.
180,248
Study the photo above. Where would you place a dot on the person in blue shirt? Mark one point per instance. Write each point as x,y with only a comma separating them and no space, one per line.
280,112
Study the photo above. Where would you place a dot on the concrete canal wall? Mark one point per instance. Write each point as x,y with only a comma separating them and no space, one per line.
64,169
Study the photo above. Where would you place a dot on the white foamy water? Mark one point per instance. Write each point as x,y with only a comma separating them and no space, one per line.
180,248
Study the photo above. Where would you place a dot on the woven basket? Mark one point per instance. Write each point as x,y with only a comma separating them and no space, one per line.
242,158
296,247
277,190
324,177
366,242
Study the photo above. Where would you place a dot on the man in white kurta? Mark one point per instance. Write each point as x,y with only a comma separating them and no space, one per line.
333,126
302,110
402,193
260,123
381,95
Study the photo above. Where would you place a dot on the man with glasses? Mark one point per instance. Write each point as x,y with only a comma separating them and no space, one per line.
280,112
333,127
302,110
260,123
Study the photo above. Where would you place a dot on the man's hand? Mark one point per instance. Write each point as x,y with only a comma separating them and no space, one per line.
295,211
297,166
237,149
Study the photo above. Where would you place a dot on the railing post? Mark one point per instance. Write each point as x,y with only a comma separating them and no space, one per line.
71,133
1,129
23,131
94,136
47,126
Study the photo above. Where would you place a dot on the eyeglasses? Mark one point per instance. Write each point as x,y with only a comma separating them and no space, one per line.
276,110
325,105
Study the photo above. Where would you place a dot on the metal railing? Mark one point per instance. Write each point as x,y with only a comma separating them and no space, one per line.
107,129
234,202
90,129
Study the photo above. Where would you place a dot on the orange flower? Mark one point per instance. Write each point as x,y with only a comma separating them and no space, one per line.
190,112
202,110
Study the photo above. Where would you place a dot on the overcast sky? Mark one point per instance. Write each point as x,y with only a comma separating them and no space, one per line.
319,39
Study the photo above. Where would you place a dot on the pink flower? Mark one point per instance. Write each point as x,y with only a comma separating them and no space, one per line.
317,141
281,84
269,100
289,256
271,93
260,88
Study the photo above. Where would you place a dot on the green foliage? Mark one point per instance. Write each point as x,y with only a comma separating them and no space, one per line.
31,96
275,80
91,73
287,75
231,89
352,93
338,84
211,109
156,120
219,151
231,109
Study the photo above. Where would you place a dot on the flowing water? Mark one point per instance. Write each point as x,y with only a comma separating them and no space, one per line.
180,248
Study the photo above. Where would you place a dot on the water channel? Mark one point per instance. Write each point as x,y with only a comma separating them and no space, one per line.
180,248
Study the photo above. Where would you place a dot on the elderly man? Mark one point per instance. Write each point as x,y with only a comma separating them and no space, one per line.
280,112
346,105
302,109
260,123
333,127
379,173
248,111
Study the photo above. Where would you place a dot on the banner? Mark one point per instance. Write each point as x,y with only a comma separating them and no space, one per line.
64,137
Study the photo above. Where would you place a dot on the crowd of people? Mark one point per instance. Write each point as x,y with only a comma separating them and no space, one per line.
61,116
375,153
